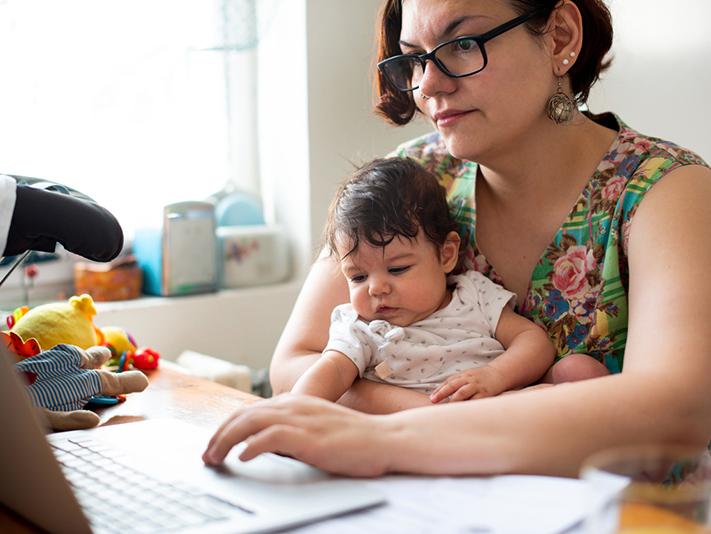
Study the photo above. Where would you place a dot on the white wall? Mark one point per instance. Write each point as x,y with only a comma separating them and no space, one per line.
316,113
343,130
660,79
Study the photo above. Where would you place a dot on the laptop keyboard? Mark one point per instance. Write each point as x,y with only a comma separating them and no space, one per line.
117,498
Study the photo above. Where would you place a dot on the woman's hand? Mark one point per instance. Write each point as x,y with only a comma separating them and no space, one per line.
309,429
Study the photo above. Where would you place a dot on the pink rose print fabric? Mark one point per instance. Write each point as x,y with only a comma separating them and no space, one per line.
578,291
570,272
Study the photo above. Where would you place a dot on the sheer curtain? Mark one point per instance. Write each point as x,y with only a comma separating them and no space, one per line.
125,101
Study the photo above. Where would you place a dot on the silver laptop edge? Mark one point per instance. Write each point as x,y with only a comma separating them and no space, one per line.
27,459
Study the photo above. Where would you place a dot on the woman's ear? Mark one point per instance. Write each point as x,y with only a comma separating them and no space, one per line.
563,36
449,253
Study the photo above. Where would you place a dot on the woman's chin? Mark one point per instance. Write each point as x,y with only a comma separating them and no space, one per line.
463,139
463,149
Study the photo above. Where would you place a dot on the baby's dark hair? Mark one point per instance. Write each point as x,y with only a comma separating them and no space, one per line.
385,199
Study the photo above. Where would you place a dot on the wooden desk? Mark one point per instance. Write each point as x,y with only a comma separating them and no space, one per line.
171,394
174,394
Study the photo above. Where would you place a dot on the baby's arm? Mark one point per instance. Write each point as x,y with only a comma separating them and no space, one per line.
329,378
527,356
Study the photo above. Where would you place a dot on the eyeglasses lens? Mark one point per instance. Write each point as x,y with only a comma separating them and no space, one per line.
459,58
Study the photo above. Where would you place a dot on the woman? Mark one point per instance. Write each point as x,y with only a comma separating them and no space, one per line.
623,279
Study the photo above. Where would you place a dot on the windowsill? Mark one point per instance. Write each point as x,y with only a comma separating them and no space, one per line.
238,325
233,294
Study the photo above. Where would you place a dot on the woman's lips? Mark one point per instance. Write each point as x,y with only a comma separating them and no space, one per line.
447,118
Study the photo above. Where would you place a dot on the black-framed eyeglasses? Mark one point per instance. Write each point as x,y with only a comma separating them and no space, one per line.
457,58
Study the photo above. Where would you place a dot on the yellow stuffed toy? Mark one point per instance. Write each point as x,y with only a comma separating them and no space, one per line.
70,322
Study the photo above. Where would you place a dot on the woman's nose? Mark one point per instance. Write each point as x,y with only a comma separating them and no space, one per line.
435,81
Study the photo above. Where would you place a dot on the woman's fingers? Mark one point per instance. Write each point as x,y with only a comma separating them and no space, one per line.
228,420
312,430
239,427
250,420
279,438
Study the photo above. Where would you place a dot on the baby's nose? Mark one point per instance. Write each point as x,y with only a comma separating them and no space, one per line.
379,287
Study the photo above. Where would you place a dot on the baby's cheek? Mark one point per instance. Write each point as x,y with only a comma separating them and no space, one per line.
360,302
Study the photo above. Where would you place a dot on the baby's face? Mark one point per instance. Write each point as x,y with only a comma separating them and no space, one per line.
402,283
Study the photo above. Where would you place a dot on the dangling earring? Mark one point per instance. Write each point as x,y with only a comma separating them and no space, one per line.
560,107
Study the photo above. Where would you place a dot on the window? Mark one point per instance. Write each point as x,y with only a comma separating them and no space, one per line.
126,101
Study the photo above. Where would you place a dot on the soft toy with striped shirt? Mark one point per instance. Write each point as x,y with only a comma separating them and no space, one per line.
57,352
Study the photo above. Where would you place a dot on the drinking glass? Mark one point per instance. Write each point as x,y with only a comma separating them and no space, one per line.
649,490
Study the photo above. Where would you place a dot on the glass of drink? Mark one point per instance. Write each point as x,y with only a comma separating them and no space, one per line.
649,490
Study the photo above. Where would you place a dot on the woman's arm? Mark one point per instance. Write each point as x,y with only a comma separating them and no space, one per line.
663,394
329,378
306,334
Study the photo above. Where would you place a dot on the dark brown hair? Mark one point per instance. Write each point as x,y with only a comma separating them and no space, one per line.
385,199
399,107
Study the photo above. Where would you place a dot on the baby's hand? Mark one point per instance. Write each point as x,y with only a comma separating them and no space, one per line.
476,383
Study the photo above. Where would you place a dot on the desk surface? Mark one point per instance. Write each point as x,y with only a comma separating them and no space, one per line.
175,394
171,394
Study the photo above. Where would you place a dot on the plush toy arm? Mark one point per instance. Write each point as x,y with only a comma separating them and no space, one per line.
61,421
94,357
121,383
112,383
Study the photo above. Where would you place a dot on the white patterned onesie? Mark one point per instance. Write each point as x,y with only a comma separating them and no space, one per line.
460,336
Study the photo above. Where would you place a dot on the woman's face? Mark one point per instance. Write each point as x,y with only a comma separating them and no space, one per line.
485,115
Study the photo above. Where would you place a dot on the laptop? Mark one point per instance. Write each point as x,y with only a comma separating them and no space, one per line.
147,476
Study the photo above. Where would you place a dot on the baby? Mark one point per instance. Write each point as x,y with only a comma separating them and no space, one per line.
410,322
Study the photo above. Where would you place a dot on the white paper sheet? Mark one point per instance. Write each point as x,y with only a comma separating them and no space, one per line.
496,505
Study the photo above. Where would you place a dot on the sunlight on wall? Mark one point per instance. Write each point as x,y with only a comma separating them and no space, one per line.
661,27
114,99
660,82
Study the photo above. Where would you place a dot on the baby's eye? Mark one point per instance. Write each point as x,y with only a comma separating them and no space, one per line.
358,278
398,270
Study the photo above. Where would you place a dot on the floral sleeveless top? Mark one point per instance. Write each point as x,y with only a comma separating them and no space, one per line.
578,291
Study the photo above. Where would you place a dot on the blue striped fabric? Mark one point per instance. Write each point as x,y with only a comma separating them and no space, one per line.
61,384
